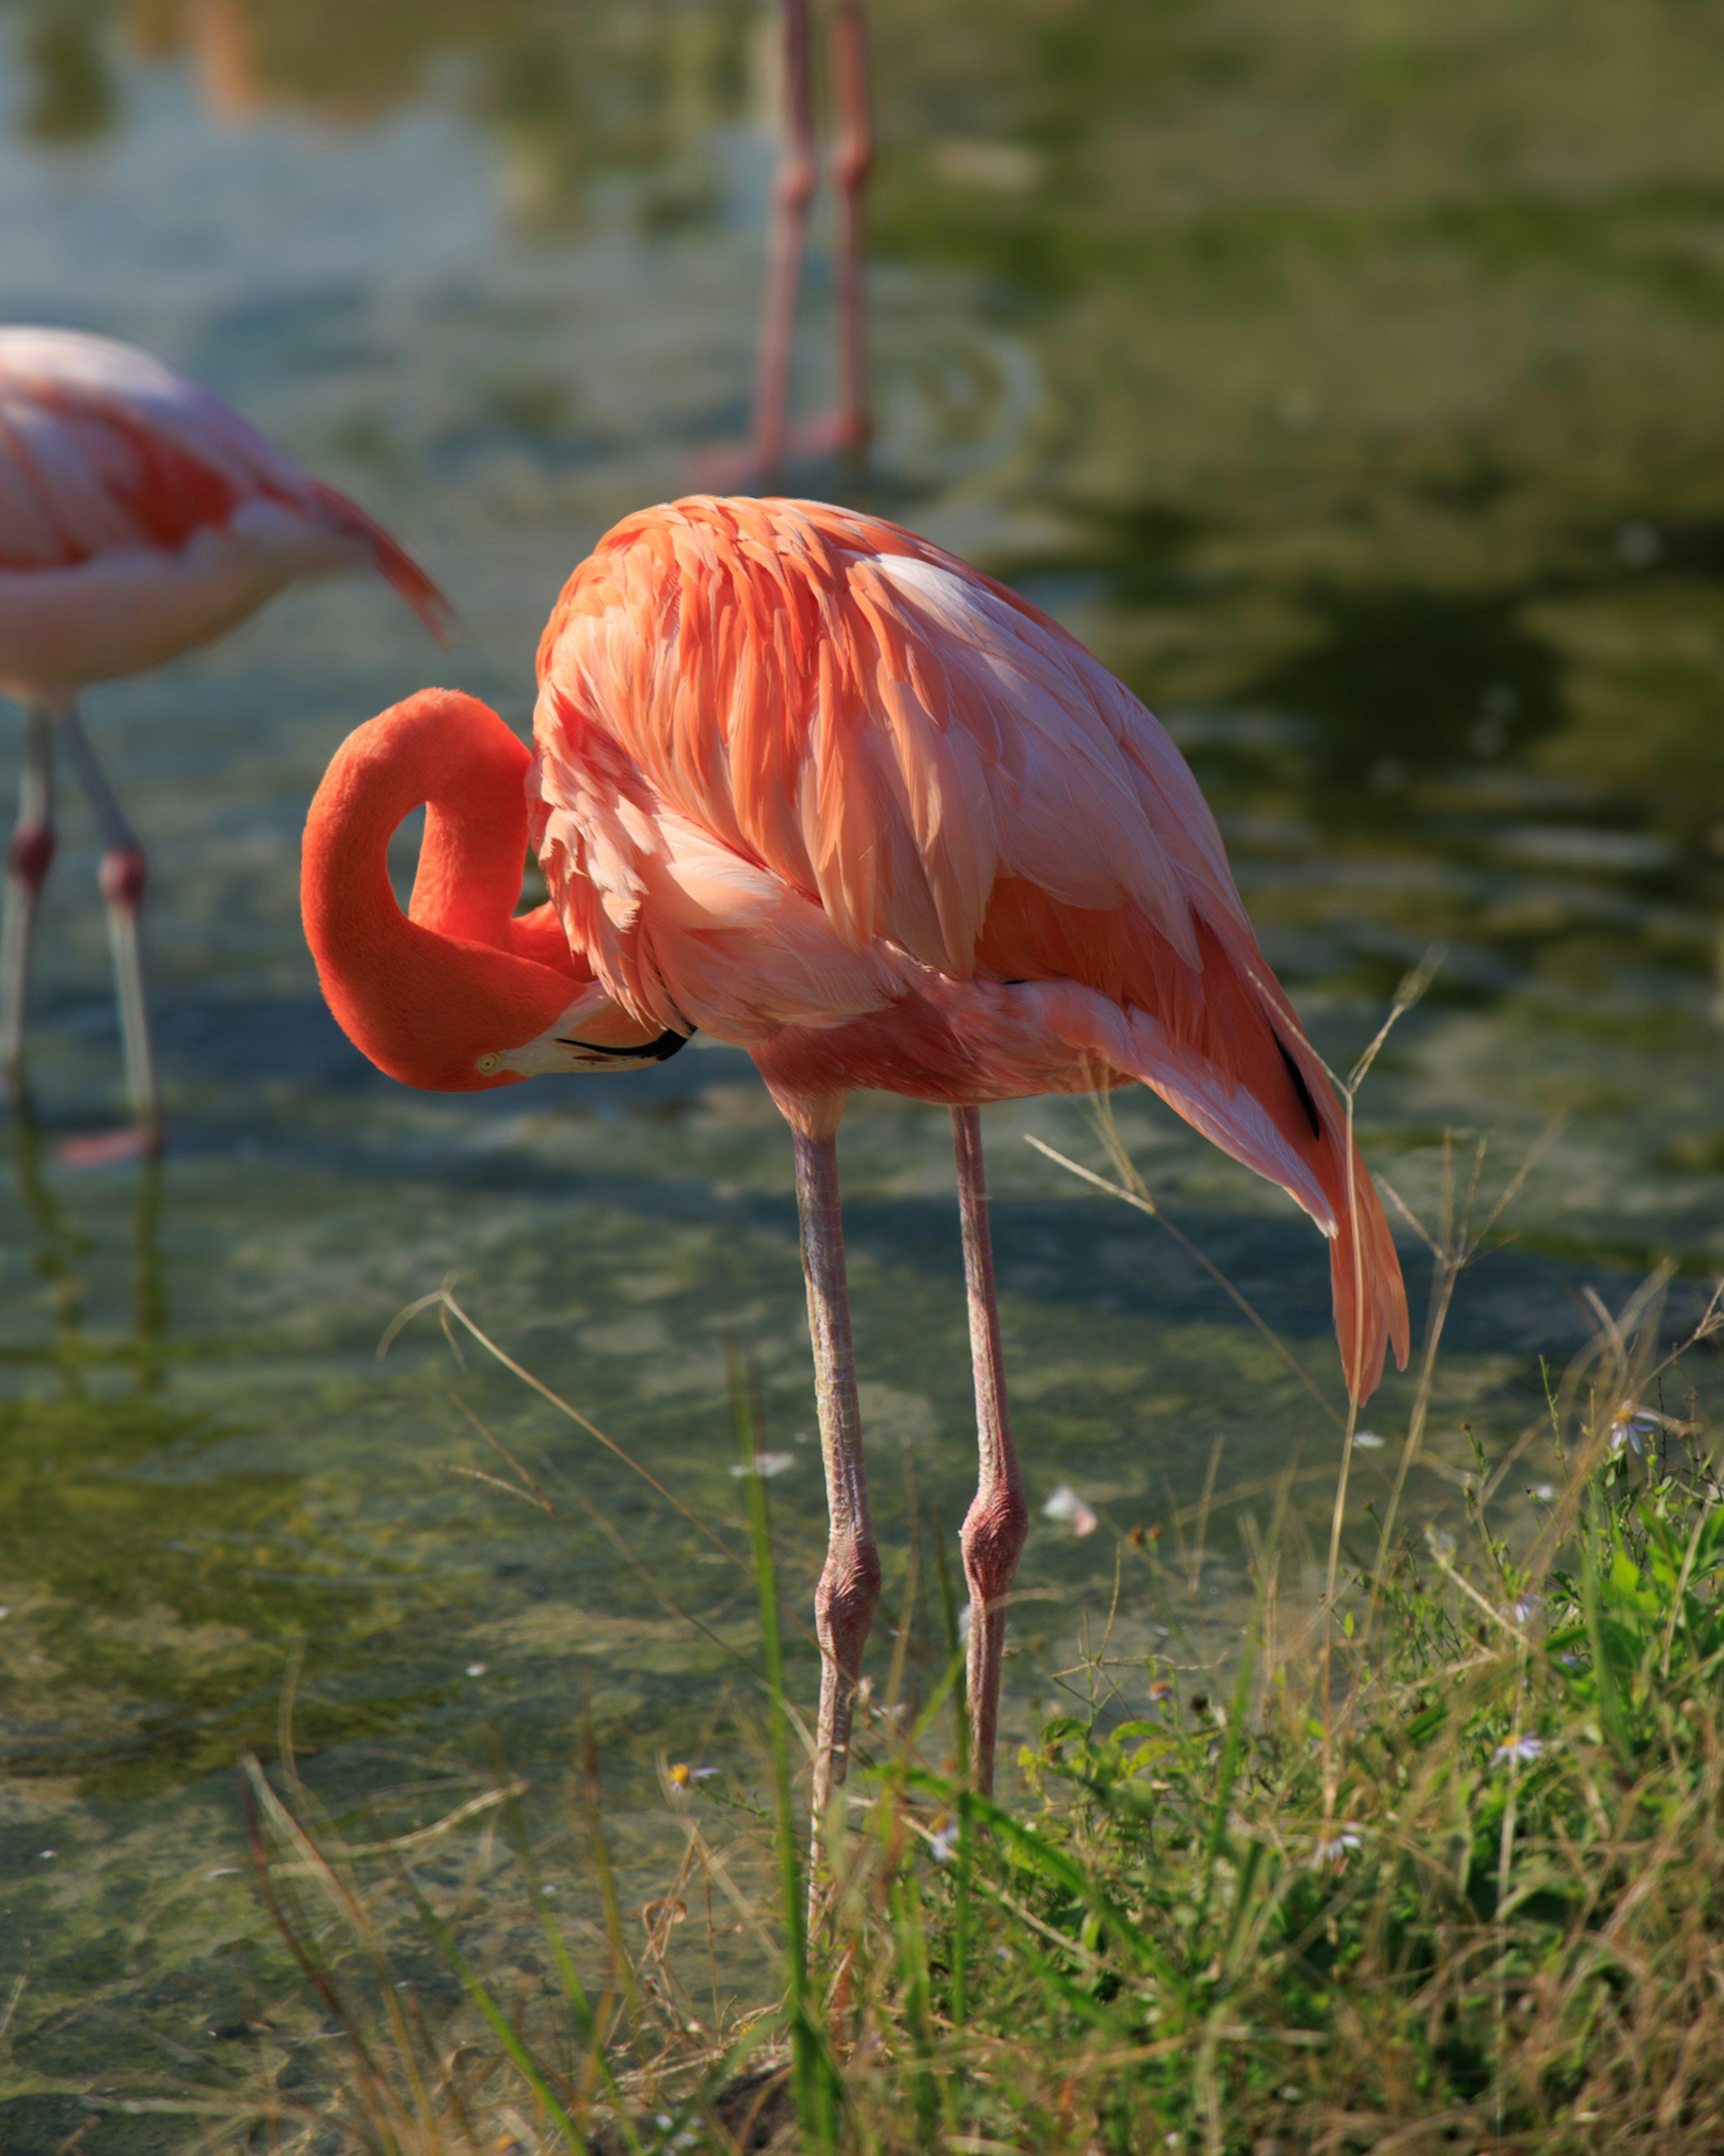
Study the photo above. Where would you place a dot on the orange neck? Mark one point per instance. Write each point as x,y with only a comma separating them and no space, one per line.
427,993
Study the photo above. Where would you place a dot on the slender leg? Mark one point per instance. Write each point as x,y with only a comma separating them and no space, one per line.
849,1585
792,191
996,1522
852,157
124,875
27,861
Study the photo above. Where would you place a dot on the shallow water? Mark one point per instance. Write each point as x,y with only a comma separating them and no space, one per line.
1354,399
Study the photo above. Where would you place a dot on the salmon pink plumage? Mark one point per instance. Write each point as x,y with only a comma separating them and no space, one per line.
815,786
804,781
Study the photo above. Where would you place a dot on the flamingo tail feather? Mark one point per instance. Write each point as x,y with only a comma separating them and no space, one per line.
394,561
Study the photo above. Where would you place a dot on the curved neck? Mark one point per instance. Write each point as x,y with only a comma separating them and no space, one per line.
425,994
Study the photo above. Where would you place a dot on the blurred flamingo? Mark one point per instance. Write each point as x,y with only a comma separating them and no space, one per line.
139,516
846,431
816,787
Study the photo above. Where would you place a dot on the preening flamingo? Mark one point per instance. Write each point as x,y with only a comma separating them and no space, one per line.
812,785
139,516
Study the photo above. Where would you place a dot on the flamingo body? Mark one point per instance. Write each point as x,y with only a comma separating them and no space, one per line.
820,790
817,787
140,516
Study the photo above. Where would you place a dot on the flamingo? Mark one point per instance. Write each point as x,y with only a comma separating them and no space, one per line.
139,516
810,784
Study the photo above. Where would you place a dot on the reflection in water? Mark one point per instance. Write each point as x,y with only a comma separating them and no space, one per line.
572,93
72,97
58,1248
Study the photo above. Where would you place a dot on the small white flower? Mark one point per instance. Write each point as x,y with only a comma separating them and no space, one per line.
765,1463
1369,1438
1543,1492
1065,1504
1633,1427
476,1669
943,1841
1337,1847
1520,1750
1527,1608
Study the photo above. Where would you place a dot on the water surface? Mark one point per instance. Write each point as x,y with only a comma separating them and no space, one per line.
1353,394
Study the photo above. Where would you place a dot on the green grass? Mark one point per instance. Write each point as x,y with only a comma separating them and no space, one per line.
1437,1868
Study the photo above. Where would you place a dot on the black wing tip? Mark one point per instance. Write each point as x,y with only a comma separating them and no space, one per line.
1295,1078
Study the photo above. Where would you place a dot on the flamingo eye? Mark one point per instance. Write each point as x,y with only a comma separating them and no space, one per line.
487,1064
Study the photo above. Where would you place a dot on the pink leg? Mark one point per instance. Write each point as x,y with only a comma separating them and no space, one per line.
792,191
997,1521
852,157
27,861
123,874
849,1585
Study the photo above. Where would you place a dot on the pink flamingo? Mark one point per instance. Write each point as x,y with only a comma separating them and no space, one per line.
139,516
813,785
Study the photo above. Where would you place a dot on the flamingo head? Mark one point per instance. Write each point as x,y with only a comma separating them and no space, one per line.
458,994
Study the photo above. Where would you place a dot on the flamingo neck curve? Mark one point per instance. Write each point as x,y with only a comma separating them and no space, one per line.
457,994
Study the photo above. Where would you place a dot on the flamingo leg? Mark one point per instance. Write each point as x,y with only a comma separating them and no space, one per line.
849,1585
852,158
27,861
792,191
996,1522
123,874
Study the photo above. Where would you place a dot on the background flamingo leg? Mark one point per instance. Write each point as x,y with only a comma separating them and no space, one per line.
123,876
849,1585
792,192
996,1522
27,861
852,159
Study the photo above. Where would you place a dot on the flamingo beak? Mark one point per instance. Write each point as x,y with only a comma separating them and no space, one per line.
594,1032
